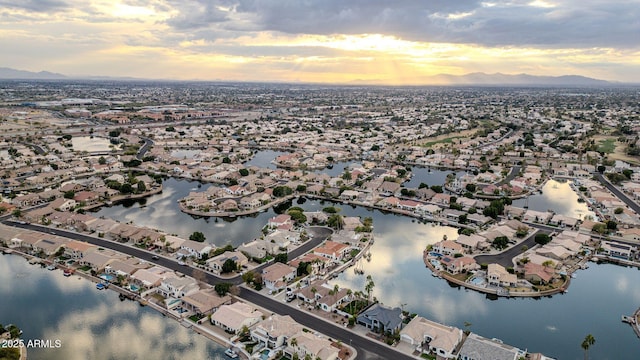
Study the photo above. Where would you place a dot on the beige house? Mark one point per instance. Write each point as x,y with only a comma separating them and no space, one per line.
232,318
304,343
275,331
499,276
276,276
429,336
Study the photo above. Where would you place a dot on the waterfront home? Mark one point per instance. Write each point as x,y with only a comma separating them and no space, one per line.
232,318
538,274
281,239
215,263
62,204
276,276
618,250
125,268
332,250
318,263
333,299
255,249
49,245
195,248
563,221
152,277
204,302
26,239
77,249
476,347
283,221
472,242
381,318
177,287
456,265
499,276
428,210
350,223
429,336
99,259
448,247
541,217
554,252
309,345
275,331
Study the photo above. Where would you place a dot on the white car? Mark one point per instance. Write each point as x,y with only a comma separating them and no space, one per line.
181,263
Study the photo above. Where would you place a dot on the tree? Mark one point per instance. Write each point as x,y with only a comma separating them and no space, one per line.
601,168
335,221
229,266
500,242
542,239
102,160
612,225
141,187
222,288
588,341
368,287
281,258
281,191
197,236
243,172
69,194
470,188
297,216
226,160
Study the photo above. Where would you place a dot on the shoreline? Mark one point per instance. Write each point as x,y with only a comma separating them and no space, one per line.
195,327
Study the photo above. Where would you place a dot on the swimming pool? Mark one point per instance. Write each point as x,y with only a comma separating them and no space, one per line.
107,277
265,354
477,281
134,288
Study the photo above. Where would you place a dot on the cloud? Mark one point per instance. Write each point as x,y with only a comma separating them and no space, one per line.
502,23
42,6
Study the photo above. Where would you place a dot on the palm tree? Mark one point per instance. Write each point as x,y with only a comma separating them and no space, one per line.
586,344
349,293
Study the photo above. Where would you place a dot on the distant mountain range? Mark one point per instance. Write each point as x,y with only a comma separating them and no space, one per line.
442,79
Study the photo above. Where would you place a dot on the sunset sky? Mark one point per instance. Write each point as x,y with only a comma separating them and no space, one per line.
332,41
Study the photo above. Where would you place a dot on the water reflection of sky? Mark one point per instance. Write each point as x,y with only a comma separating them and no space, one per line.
87,143
554,326
429,176
559,197
264,159
91,324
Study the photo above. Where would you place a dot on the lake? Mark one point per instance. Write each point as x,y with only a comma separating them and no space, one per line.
554,326
90,323
559,197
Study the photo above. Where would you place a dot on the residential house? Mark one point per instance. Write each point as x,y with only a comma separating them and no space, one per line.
499,276
312,346
381,318
429,336
177,287
332,250
215,263
195,248
476,347
448,247
275,331
276,276
232,318
616,249
538,274
77,249
204,302
456,265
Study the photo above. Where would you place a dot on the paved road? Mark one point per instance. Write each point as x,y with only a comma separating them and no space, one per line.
374,349
143,150
366,348
515,170
622,196
505,258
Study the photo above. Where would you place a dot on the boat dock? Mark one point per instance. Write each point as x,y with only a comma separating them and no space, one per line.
633,320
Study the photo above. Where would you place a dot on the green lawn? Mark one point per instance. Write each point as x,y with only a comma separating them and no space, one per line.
607,146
